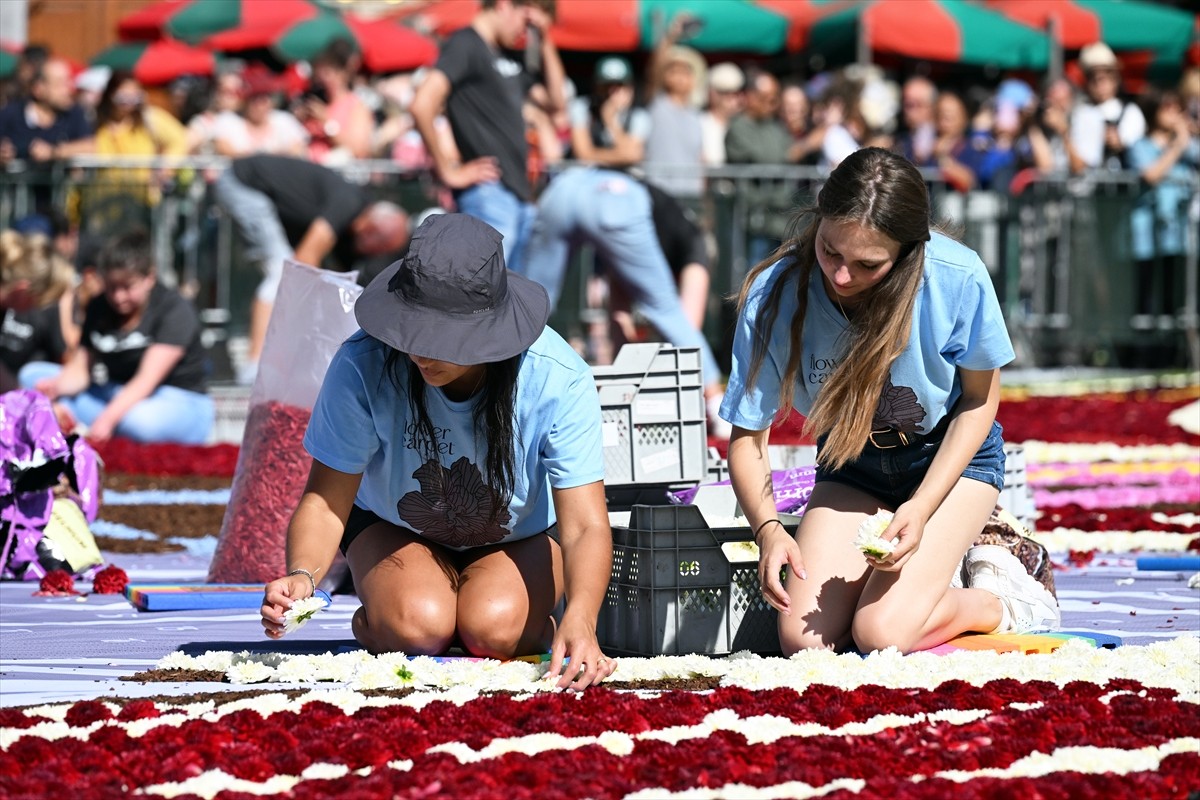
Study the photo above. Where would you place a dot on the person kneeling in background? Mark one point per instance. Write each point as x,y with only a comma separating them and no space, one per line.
146,338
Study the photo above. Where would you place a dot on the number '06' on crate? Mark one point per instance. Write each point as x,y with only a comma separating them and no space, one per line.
685,580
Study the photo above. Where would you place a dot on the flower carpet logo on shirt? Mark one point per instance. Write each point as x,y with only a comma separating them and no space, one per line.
454,507
898,408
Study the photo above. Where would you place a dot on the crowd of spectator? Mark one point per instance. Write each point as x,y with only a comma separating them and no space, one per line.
494,118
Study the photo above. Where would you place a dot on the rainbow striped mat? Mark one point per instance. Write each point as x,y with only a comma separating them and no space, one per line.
1023,642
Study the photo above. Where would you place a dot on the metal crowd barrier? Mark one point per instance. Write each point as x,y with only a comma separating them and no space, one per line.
1059,251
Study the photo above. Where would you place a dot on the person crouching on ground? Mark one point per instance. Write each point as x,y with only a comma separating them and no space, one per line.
889,339
456,446
147,338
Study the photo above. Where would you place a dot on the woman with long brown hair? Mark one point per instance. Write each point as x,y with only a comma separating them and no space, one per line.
889,338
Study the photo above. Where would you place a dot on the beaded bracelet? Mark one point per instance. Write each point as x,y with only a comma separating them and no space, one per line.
758,530
308,575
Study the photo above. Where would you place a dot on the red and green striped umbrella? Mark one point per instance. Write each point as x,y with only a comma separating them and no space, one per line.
10,55
158,62
953,31
737,26
1151,38
195,20
385,45
1121,24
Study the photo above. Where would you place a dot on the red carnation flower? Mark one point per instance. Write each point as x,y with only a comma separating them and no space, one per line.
85,712
56,582
110,580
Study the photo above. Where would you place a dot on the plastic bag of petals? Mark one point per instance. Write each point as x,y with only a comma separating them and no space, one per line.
312,316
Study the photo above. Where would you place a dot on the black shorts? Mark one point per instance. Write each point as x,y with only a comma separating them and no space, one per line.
360,519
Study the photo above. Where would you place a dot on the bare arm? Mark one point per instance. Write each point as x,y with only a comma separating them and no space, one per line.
1170,156
312,540
750,474
317,243
355,136
626,149
548,143
553,75
426,105
973,418
658,56
587,565
73,379
156,364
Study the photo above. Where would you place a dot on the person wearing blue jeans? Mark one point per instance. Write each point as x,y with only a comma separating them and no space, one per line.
493,203
169,414
612,212
482,92
146,338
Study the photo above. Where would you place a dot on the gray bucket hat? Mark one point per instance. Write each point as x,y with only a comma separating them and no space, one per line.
452,299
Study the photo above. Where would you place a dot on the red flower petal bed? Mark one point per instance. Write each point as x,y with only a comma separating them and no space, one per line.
468,750
1124,418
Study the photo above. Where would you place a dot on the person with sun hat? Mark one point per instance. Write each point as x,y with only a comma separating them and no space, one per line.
457,463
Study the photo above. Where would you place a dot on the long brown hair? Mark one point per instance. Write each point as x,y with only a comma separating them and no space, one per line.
32,258
884,192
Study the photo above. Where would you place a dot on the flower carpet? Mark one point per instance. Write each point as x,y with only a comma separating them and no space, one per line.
98,699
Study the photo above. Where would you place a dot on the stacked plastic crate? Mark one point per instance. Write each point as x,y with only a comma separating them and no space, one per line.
655,434
684,578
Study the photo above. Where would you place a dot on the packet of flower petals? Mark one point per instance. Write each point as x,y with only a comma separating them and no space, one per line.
192,596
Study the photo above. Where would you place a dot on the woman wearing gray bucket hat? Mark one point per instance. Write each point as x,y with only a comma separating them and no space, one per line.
456,446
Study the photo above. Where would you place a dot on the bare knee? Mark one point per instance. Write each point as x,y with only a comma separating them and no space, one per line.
877,628
493,629
416,629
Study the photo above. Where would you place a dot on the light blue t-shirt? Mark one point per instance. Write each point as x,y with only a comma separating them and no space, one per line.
1160,216
634,120
957,322
362,424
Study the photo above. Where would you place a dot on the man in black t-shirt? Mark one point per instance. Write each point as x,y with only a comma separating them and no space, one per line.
482,92
292,208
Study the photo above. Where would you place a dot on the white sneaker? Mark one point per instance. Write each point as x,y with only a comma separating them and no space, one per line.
1025,605
718,427
956,580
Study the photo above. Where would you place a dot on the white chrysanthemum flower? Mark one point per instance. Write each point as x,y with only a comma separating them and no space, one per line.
870,535
382,675
301,612
176,660
249,672
216,659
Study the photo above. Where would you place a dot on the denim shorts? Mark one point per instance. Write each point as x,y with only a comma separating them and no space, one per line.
893,474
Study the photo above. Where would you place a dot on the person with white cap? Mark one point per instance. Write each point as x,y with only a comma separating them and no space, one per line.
725,84
457,462
1103,124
